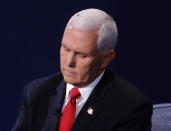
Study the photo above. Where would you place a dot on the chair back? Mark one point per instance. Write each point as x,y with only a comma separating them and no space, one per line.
161,118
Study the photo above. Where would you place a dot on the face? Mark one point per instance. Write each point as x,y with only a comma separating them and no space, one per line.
80,60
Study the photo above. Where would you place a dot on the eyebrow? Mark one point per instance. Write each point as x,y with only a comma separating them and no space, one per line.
64,45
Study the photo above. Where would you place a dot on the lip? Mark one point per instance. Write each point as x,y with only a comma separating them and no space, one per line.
69,72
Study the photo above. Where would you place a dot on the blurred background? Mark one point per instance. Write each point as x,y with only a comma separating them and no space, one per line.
31,33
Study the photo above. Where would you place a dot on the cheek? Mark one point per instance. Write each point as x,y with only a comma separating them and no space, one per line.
62,57
85,67
62,61
95,67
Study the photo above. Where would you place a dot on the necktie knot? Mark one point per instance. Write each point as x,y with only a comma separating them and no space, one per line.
74,94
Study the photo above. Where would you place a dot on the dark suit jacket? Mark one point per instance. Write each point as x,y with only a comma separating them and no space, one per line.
117,106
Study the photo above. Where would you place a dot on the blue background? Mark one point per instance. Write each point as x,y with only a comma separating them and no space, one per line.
31,32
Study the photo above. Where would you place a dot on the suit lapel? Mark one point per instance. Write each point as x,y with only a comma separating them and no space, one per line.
93,105
55,106
60,95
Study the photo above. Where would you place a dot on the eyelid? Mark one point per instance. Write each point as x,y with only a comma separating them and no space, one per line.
82,55
79,53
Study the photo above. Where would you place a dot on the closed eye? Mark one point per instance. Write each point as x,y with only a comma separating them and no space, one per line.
82,55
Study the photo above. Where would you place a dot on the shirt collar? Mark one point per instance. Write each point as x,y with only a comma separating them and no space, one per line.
85,91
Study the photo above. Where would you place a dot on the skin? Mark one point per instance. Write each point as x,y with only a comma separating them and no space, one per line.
80,60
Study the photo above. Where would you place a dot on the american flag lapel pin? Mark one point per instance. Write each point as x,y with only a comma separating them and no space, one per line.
90,111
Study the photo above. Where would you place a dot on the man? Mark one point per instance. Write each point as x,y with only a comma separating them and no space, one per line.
86,96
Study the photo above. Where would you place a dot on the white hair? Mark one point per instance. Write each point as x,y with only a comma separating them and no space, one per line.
95,19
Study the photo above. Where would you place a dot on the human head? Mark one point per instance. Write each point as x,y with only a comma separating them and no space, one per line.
87,46
95,19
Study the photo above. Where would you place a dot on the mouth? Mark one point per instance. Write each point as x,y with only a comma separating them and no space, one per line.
69,72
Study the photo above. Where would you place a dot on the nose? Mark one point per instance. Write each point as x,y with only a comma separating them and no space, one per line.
71,60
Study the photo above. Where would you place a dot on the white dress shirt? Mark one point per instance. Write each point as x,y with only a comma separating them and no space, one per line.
85,93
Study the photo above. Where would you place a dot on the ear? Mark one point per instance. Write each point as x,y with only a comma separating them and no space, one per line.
107,58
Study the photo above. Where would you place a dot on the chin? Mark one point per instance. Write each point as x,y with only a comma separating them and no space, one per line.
70,80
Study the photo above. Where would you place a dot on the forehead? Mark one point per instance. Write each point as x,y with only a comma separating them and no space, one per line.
79,40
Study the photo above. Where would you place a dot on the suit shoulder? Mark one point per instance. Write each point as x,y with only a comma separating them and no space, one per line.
57,77
41,87
125,90
124,95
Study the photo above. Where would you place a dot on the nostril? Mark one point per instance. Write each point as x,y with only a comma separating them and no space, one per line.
72,64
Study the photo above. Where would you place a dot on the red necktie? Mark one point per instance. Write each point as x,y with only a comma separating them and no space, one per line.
68,115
